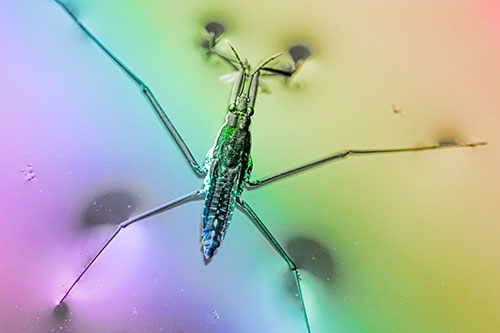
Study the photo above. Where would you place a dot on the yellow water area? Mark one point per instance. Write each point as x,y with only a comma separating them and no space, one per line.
413,237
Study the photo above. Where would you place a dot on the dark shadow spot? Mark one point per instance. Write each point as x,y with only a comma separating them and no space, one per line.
215,28
61,318
449,137
299,53
447,142
214,31
61,311
311,256
112,207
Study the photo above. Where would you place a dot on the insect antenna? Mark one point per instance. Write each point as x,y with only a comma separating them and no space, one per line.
254,81
268,60
236,55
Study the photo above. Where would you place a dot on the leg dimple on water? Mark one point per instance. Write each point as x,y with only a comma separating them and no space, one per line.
217,28
299,53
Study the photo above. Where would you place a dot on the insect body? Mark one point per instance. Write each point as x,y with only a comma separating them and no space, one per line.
228,167
228,164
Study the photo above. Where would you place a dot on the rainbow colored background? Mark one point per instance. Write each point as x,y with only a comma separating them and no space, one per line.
401,243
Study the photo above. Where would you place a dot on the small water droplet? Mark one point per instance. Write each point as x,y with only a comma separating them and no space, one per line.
29,172
215,314
129,206
134,311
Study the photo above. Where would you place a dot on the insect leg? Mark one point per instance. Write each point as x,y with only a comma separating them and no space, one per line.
209,43
146,92
245,207
169,205
299,54
352,152
230,61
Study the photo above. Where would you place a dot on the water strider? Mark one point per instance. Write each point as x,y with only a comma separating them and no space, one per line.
228,165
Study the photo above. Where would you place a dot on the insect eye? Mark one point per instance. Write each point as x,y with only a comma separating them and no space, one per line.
250,110
299,53
231,107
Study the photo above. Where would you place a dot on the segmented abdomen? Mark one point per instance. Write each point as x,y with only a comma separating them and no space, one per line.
219,206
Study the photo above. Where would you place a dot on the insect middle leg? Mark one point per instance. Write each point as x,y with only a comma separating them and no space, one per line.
146,92
174,203
245,207
251,184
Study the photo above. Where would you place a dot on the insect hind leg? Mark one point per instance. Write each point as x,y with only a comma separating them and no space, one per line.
245,207
160,209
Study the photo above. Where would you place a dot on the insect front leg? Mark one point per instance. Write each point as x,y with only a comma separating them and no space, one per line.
251,184
214,32
245,207
160,209
199,171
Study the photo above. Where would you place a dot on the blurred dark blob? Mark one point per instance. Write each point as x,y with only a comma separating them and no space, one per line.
214,31
112,207
61,318
447,142
449,136
299,53
61,311
310,256
216,28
